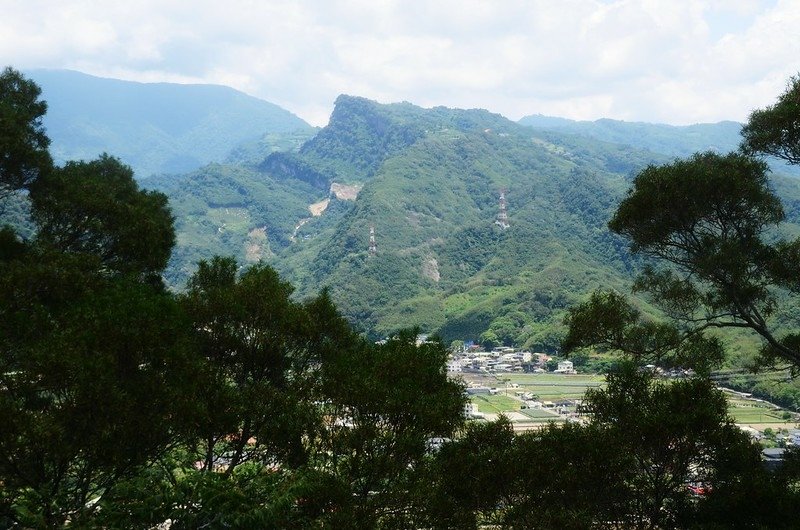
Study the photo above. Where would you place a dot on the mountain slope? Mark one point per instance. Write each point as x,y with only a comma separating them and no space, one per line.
429,182
155,127
432,197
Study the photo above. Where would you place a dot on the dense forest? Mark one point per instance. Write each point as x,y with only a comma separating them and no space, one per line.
232,403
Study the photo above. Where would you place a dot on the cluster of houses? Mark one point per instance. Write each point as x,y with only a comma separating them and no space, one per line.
503,359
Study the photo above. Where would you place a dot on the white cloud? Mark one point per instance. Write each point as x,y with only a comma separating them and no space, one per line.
676,61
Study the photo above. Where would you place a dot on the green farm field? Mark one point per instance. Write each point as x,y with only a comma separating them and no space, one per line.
554,387
753,412
495,404
551,387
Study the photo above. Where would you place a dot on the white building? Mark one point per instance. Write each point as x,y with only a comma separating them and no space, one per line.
565,367
471,411
454,366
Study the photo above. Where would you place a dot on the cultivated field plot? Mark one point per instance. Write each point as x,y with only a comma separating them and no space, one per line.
230,219
543,387
556,387
495,404
550,387
748,411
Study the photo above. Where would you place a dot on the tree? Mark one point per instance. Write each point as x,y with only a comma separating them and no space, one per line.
90,372
257,349
489,340
775,130
672,433
707,221
707,225
457,346
92,358
384,403
607,321
23,142
97,208
466,480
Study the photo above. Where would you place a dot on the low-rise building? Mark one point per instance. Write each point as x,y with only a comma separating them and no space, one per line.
565,367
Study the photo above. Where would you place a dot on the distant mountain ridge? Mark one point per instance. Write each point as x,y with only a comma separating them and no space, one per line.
155,127
675,141
671,140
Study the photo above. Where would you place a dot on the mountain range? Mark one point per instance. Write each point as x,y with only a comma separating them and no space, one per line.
158,127
428,184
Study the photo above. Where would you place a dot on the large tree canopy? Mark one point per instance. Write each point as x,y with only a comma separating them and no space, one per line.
708,219
97,208
708,223
775,130
711,226
23,142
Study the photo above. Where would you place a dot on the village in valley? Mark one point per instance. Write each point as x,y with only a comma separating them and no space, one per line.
533,389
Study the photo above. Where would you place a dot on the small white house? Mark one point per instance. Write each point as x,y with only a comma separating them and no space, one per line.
565,367
471,411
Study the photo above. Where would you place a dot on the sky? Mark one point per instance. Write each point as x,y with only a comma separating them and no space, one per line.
665,61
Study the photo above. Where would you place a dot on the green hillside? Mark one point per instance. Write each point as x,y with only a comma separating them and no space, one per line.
443,263
158,127
429,182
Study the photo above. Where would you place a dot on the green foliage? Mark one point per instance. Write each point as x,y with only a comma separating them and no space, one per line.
382,414
441,261
97,208
711,225
730,201
431,180
674,433
257,345
23,142
87,334
608,322
468,478
708,218
431,183
233,211
253,153
775,130
115,354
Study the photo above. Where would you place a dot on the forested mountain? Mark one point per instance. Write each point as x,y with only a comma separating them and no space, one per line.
429,182
670,140
158,127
